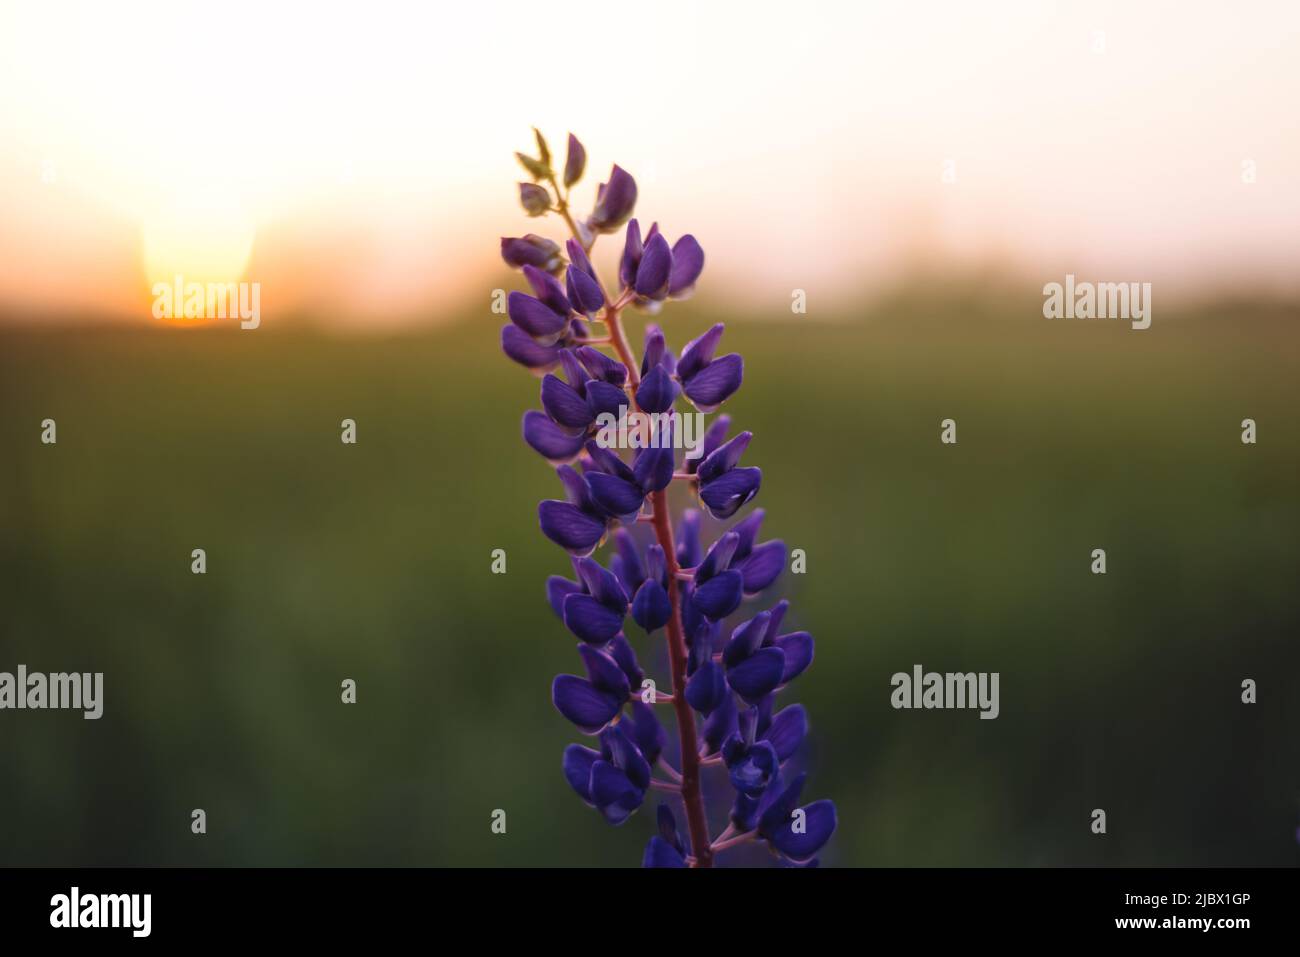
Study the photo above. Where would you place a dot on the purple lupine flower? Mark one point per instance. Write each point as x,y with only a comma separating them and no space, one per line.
727,666
576,524
724,488
531,250
665,848
615,201
654,271
582,284
708,382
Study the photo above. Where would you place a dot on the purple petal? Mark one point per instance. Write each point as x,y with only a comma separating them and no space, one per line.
713,438
558,589
655,347
621,751
706,688
798,650
613,793
757,675
620,649
716,382
633,571
659,853
602,585
724,458
653,468
651,608
652,273
524,349
604,398
780,805
698,353
787,730
614,201
746,638
657,391
584,292
575,375
747,530
700,637
631,258
601,366
719,725
763,566
574,162
718,557
719,596
819,823
777,612
668,826
575,488
688,539
725,496
688,263
752,772
563,404
603,671
590,620
578,256
656,566
549,439
644,729
615,495
569,526
583,703
577,769
535,317
608,461
548,289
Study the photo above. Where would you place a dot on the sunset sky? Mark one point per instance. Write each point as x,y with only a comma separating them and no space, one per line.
359,166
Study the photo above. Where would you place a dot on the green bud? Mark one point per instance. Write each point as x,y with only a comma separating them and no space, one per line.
543,151
536,200
536,168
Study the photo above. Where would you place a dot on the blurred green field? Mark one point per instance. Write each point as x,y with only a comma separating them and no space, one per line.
372,562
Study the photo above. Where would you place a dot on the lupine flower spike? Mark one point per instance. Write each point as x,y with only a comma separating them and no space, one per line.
728,663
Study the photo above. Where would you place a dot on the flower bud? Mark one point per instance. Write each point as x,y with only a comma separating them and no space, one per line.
583,291
632,250
615,201
653,271
535,199
543,151
531,250
575,162
536,168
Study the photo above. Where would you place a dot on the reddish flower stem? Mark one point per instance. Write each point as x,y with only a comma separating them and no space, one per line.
696,822
692,797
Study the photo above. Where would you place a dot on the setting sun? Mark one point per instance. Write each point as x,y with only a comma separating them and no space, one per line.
205,236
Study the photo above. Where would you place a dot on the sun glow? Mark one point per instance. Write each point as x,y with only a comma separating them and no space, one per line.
204,236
